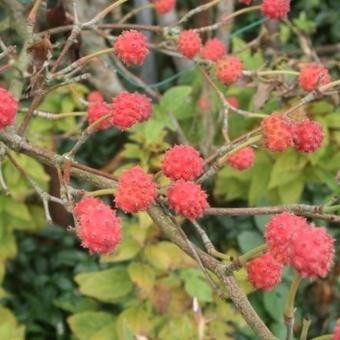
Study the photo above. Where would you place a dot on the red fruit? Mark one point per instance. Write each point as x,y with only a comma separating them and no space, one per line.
131,47
279,232
129,109
96,110
189,43
242,159
277,132
312,75
182,162
229,69
187,199
233,101
98,226
264,272
312,252
95,96
163,6
8,108
275,9
136,190
336,334
204,103
308,136
246,2
213,49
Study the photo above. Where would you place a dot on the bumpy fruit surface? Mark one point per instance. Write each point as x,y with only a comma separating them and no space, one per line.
279,233
187,199
264,272
277,132
131,47
98,226
136,190
336,333
129,109
95,96
8,108
242,159
229,69
163,6
312,252
275,9
308,136
189,43
233,101
213,49
98,108
313,75
182,162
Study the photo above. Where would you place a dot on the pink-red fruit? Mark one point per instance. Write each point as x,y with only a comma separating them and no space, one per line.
313,75
213,49
136,190
275,9
229,69
246,2
336,334
8,108
264,272
233,101
189,43
187,199
182,162
98,108
163,6
131,47
308,136
242,159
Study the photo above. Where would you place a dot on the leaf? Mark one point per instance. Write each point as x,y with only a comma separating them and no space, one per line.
275,301
248,240
9,327
106,333
292,191
109,285
179,328
142,275
333,120
126,250
8,246
175,97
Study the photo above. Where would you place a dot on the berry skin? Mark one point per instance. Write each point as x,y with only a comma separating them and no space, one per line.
312,75
279,232
229,69
136,190
8,108
163,6
187,199
312,252
246,2
264,272
131,47
204,103
242,159
97,109
277,132
308,136
275,9
233,101
182,162
213,49
336,334
189,43
95,96
98,227
129,109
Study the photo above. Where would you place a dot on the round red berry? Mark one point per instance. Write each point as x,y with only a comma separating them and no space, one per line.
242,159
163,6
312,252
136,190
308,136
275,9
213,49
277,132
229,69
8,108
96,110
279,232
336,334
95,96
189,43
204,103
233,101
313,75
264,272
182,162
187,199
129,109
131,47
98,226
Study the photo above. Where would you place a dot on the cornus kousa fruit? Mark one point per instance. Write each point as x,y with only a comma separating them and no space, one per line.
129,109
229,69
213,49
182,162
95,96
336,334
312,252
275,9
98,108
98,226
136,190
313,75
187,199
8,108
242,159
163,6
189,43
233,101
277,132
308,136
204,103
246,2
279,233
264,272
131,47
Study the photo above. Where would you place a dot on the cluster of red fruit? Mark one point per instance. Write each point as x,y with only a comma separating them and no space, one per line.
292,241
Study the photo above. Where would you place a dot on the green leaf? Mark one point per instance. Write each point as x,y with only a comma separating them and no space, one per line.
106,333
292,191
8,246
333,120
126,250
142,275
249,239
9,327
275,301
174,98
179,328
